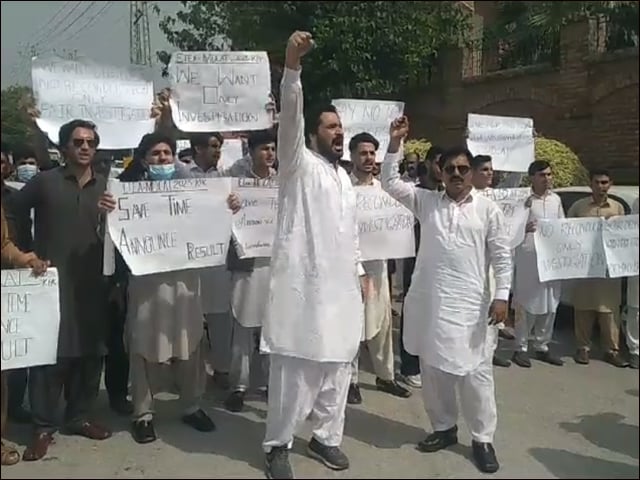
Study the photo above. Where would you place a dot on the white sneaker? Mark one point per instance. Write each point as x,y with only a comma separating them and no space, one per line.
414,381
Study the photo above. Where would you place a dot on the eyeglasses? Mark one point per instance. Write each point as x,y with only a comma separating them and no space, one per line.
461,169
79,142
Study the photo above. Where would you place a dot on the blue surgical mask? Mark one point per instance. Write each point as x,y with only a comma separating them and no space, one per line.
26,172
164,171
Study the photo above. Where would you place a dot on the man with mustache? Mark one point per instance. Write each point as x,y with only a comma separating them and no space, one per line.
448,303
378,334
314,317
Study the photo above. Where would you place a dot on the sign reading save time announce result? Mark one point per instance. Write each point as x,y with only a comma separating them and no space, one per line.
220,91
30,318
163,226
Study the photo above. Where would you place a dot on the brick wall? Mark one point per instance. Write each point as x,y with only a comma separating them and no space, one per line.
589,101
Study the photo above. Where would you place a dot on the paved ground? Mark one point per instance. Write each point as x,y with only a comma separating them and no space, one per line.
569,422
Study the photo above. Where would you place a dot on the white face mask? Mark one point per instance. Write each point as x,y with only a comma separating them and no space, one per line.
26,172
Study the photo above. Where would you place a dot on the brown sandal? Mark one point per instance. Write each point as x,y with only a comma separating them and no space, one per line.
10,455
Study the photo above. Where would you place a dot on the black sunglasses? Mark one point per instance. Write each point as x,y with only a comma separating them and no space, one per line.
461,169
79,142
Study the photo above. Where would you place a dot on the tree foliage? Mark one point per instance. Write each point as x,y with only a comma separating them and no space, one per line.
527,33
363,49
15,122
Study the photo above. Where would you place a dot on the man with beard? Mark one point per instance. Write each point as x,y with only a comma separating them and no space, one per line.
448,304
314,317
378,332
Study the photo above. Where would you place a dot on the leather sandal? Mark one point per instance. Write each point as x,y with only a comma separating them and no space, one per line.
10,455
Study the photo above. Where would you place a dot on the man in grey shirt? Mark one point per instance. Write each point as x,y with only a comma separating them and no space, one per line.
67,231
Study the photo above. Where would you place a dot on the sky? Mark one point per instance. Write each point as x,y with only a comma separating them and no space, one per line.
96,29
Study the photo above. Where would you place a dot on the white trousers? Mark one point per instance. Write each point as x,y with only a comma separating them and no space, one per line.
299,387
542,326
477,399
381,353
220,328
245,352
631,330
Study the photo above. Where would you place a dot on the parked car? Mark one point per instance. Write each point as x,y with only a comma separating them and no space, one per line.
626,195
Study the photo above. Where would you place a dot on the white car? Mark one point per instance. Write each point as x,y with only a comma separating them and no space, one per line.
626,195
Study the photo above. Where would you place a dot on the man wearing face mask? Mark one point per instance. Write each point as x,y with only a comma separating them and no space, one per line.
164,312
26,168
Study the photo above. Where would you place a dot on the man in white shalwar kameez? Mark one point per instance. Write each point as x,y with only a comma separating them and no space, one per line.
378,331
215,282
448,303
482,180
164,325
249,283
536,302
314,319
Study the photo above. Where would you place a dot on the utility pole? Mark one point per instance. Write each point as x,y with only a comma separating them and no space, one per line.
139,37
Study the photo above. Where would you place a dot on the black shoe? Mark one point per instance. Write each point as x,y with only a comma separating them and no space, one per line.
143,431
521,359
501,362
19,415
485,457
277,463
121,406
633,361
332,457
200,421
354,397
235,401
392,388
439,440
615,359
546,357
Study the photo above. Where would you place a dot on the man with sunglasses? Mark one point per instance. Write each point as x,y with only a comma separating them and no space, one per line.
67,224
448,303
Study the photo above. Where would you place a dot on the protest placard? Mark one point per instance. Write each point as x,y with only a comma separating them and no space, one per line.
30,318
512,203
509,140
182,144
371,116
254,226
621,245
220,91
385,226
163,226
117,99
231,152
570,248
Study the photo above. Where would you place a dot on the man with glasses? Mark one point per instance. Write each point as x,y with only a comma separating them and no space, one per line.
448,303
67,226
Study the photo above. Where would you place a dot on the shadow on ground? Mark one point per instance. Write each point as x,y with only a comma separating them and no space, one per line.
565,464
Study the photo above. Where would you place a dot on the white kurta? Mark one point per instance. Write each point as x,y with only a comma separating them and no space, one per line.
164,316
315,305
447,306
529,293
377,306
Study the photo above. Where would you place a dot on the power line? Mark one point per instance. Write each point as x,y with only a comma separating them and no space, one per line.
45,34
73,22
89,23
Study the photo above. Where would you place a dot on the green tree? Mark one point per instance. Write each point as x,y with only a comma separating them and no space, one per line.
363,49
15,122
